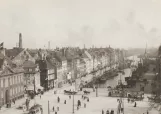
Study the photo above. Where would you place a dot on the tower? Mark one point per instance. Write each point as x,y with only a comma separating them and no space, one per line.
20,40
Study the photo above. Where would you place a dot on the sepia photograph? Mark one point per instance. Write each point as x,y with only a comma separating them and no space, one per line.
80,56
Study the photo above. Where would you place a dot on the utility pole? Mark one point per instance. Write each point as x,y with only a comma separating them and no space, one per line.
73,101
48,108
34,86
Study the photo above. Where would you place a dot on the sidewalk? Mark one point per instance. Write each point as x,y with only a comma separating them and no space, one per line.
17,103
22,101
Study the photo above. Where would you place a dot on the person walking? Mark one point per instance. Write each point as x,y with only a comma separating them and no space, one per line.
88,99
79,103
58,99
128,100
65,102
57,108
107,112
135,104
84,105
69,96
53,108
102,111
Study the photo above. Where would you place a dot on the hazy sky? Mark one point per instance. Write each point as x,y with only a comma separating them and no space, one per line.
119,23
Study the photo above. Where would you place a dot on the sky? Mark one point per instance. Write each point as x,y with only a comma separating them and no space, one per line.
118,23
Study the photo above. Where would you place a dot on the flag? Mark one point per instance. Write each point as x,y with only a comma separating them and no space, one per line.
1,45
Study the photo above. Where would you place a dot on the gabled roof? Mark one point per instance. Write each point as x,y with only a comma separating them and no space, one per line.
6,71
5,58
11,53
28,64
59,56
44,64
32,52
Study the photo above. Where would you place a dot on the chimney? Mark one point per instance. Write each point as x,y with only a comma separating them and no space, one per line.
20,40
49,45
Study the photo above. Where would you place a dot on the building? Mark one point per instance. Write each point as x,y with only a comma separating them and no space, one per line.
11,81
47,74
19,56
31,75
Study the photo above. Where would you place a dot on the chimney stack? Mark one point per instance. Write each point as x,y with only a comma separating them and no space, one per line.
20,40
49,45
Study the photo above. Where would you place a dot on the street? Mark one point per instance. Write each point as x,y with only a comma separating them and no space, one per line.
94,106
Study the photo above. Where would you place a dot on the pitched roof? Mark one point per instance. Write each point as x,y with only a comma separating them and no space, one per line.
59,56
11,53
29,64
44,64
9,62
32,52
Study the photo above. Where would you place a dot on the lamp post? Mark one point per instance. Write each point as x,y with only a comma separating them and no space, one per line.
73,101
96,91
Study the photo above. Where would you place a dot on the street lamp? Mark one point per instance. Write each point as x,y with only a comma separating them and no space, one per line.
73,101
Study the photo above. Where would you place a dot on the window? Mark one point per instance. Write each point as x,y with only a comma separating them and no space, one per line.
17,80
13,91
20,78
6,82
11,81
14,79
2,94
1,83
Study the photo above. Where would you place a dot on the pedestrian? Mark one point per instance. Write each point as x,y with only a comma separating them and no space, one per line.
135,104
65,102
69,96
58,99
57,108
87,99
128,100
40,96
13,101
53,108
107,112
79,103
84,105
102,111
112,111
82,96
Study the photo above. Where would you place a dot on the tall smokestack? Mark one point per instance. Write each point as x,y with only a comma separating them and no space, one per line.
49,45
84,46
20,40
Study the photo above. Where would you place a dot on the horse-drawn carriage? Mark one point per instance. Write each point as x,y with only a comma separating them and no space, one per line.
69,92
